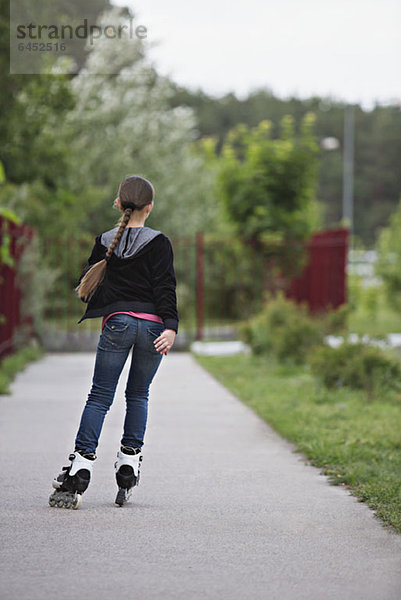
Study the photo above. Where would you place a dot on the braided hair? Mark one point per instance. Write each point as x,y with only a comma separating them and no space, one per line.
134,193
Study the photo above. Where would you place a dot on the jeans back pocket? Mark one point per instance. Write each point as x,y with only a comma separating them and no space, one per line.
153,333
113,335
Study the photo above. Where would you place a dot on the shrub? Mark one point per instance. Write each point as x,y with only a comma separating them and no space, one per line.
389,257
335,322
357,366
284,329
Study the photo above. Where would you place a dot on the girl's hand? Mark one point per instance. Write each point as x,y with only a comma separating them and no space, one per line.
165,340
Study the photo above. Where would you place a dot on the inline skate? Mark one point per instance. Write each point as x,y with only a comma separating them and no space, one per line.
71,483
127,469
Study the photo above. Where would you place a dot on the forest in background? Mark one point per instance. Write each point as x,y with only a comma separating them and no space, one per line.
67,141
377,172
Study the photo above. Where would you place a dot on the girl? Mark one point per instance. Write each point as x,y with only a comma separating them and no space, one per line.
129,281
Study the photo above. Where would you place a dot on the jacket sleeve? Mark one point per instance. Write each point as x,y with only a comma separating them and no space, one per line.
164,282
98,253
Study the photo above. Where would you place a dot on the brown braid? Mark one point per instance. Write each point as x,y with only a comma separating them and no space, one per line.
95,275
135,193
123,224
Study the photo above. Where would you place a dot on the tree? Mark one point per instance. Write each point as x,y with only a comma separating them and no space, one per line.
268,186
122,124
74,138
377,146
33,107
267,189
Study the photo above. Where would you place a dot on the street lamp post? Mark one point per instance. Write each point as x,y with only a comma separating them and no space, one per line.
332,143
348,168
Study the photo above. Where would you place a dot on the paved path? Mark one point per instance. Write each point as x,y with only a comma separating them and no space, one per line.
225,510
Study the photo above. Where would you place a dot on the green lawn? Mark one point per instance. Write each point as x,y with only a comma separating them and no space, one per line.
14,363
357,442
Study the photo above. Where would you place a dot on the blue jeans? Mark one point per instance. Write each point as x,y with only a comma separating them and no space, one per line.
120,334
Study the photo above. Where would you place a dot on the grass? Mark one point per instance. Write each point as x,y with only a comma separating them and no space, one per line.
354,440
13,364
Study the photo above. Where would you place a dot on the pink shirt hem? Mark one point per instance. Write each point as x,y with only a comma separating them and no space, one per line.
140,315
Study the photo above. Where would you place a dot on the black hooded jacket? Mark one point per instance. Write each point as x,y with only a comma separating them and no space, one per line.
139,275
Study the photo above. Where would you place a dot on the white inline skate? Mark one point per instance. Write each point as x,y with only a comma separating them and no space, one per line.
127,469
71,483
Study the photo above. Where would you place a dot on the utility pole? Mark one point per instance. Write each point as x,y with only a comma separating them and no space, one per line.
348,169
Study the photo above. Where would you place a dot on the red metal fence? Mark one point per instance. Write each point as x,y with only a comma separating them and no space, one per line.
232,277
322,283
13,240
220,281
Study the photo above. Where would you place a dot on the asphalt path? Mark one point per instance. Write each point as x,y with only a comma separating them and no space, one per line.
225,509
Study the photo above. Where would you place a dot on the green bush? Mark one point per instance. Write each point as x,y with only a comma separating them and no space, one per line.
284,329
389,258
357,366
335,322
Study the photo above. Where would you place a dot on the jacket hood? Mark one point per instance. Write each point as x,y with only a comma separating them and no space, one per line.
132,240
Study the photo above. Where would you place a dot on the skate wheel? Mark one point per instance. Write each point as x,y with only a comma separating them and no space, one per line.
52,502
77,502
68,504
121,497
60,503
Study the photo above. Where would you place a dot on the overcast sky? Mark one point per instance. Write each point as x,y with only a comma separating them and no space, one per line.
349,49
